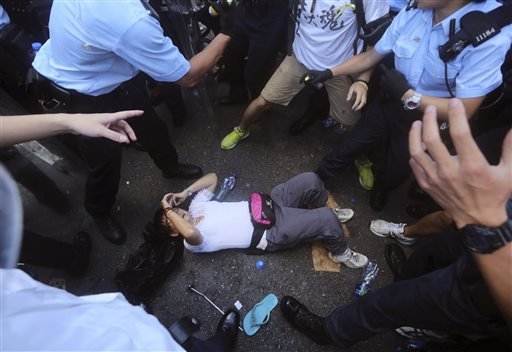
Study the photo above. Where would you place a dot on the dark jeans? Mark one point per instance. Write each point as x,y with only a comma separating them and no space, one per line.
103,157
452,298
381,121
260,33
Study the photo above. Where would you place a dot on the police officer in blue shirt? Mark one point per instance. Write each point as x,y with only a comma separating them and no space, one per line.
421,79
95,49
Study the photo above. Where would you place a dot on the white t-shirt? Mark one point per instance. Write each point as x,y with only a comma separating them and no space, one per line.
37,317
225,225
325,36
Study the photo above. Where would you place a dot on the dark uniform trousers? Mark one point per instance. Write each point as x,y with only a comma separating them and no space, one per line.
103,156
217,343
259,34
443,291
386,122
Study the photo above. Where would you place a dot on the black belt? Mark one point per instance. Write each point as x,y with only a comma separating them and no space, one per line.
55,98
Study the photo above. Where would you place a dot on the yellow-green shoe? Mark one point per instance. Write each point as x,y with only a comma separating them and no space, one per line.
364,167
232,139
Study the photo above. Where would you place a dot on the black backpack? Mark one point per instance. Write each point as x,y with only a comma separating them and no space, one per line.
150,265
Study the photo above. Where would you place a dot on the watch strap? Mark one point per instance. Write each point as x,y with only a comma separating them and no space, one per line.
481,239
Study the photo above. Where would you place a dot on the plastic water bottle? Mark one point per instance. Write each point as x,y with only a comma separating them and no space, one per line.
370,272
227,185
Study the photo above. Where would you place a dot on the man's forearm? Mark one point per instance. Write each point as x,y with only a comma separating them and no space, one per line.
358,64
471,105
497,271
22,128
204,61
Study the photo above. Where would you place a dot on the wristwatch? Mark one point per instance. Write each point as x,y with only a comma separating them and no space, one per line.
482,239
413,102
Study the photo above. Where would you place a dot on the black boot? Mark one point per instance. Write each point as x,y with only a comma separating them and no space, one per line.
378,197
302,124
228,325
82,252
110,229
186,171
303,320
395,258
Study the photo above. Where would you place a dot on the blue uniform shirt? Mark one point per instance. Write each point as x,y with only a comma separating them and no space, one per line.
413,39
397,5
4,18
95,46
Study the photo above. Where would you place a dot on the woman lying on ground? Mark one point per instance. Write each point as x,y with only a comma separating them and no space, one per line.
301,215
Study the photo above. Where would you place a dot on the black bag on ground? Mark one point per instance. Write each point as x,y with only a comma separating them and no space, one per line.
150,265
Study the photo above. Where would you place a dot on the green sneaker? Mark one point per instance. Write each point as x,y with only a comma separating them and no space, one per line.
232,139
364,167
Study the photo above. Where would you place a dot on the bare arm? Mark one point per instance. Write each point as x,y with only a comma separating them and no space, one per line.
204,61
359,64
208,181
22,128
471,105
473,191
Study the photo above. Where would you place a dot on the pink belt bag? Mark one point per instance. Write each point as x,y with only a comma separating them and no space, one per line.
263,215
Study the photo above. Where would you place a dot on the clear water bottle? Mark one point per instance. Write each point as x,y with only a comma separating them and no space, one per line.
370,272
227,186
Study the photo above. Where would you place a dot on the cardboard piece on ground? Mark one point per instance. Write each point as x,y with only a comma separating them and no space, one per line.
321,260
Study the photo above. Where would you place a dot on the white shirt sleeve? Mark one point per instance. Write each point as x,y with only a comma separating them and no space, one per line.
375,9
197,203
144,46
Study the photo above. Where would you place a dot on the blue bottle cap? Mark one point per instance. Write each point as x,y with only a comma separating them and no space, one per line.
36,46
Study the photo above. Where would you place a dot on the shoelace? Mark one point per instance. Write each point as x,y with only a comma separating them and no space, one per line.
395,230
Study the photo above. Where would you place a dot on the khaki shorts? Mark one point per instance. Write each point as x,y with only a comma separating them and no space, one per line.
284,85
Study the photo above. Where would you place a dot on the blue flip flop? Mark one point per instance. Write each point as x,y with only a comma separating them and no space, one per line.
259,314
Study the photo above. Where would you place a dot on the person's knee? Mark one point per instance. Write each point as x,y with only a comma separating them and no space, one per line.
312,179
261,103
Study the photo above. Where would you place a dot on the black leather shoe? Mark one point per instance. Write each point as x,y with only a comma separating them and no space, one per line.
186,171
303,320
378,198
110,229
395,258
301,124
228,325
82,252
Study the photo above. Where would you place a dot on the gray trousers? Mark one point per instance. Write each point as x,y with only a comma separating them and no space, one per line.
302,216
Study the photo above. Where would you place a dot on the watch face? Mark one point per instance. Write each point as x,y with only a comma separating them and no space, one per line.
412,104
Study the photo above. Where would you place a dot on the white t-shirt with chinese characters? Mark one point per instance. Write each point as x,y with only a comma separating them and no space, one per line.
37,317
325,32
225,224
